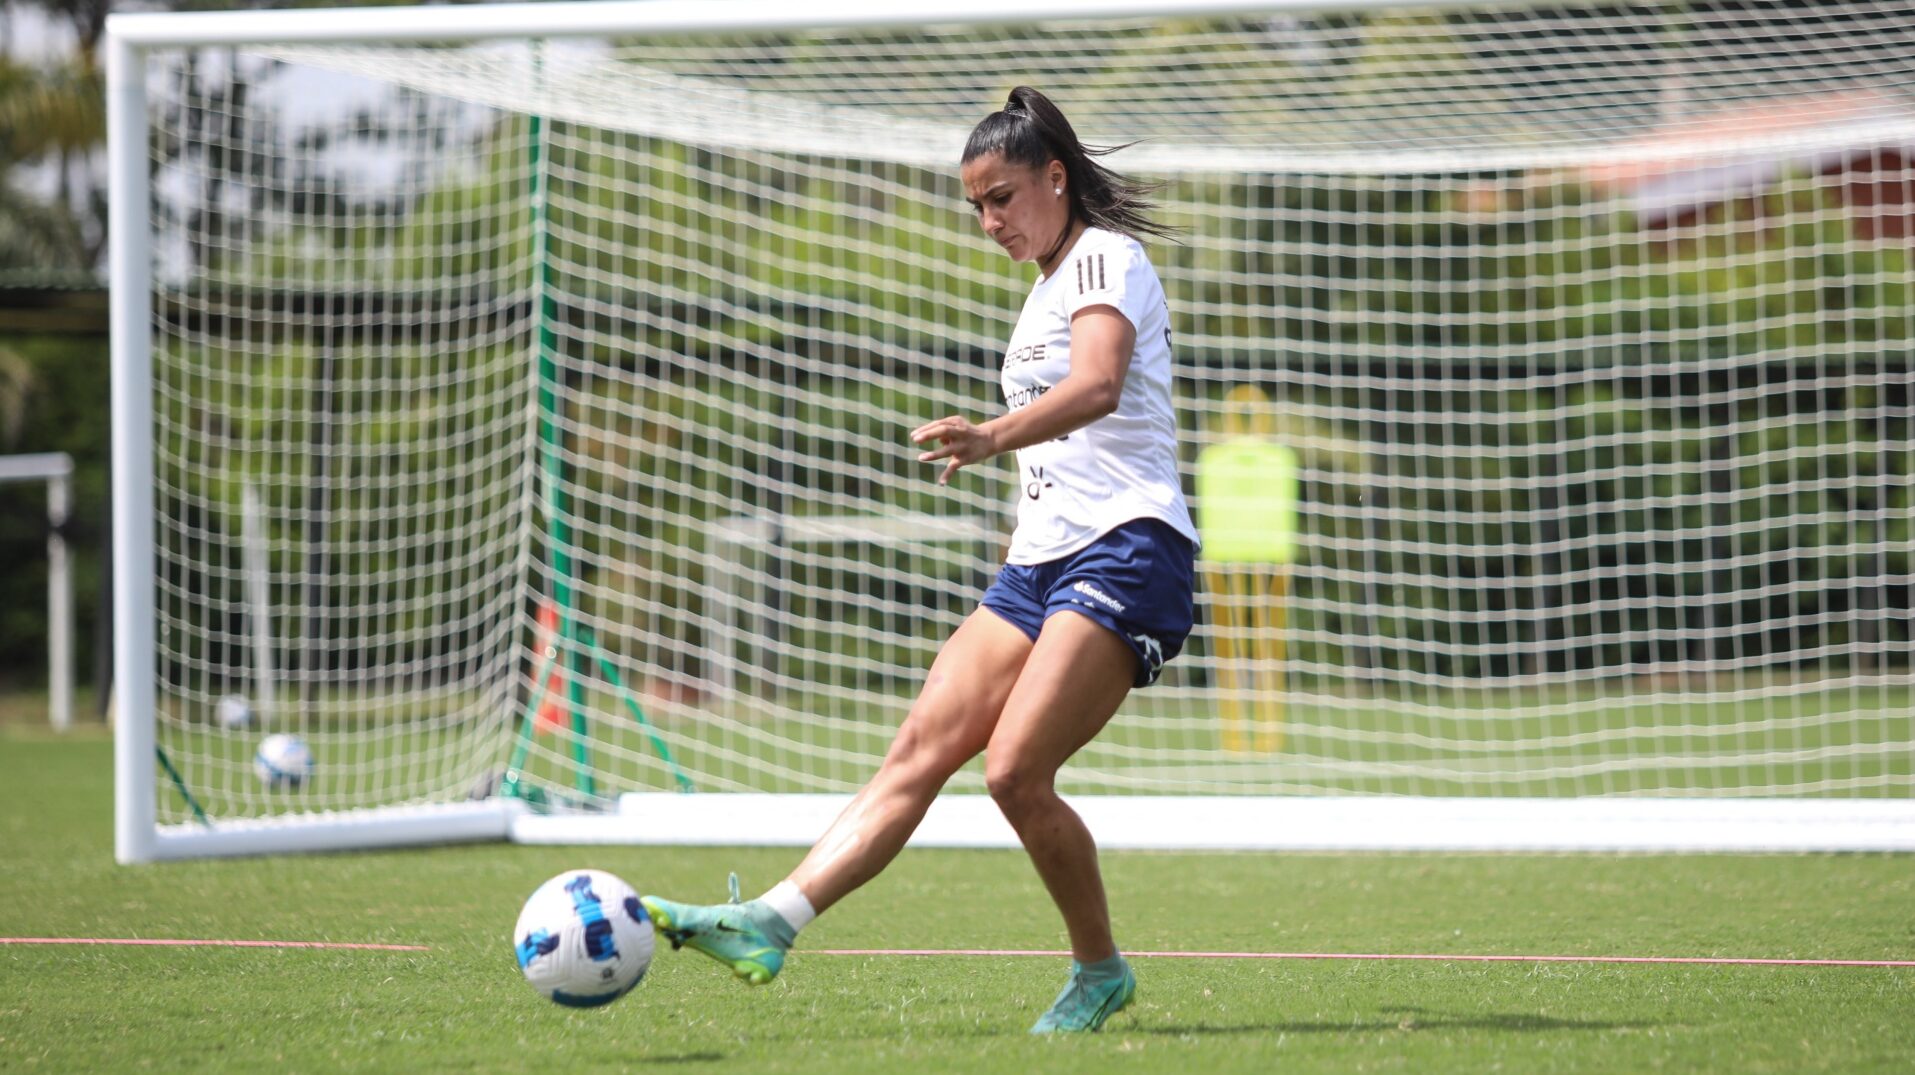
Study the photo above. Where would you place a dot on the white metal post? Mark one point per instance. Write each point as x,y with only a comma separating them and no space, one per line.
597,18
129,250
259,601
54,469
59,603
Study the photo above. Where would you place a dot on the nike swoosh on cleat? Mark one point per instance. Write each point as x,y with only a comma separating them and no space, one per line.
1105,1010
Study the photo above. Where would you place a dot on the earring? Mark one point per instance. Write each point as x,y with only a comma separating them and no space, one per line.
1059,191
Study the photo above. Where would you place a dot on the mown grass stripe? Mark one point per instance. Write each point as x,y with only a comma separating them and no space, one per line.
186,943
1427,957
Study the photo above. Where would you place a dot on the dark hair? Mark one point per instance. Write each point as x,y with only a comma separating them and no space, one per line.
1032,131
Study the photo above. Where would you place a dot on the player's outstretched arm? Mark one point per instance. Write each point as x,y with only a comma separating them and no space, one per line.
1101,343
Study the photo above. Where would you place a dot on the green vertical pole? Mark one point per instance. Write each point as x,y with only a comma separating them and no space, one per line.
552,441
179,782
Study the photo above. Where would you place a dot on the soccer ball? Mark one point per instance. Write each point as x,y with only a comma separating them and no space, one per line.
583,939
235,712
283,761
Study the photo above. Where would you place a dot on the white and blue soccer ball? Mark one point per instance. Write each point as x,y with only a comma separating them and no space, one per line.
235,712
583,939
283,761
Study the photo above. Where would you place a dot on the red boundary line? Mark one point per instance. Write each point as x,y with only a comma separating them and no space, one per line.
158,942
1361,956
1377,956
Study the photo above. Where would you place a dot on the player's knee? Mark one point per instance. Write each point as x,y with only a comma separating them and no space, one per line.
1016,787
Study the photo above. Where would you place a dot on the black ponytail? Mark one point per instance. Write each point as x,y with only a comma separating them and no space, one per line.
1033,132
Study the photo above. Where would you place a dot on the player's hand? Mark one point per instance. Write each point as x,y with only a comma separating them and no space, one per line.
958,441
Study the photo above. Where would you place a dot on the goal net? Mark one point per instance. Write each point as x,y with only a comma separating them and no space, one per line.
528,392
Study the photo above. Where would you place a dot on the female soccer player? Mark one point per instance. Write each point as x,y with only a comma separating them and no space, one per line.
1095,594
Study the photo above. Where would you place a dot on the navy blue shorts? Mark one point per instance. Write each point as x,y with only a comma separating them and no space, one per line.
1135,580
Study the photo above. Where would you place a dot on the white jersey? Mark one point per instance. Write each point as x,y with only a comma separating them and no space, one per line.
1122,466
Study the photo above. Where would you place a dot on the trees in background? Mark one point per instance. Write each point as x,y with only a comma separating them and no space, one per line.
52,384
53,118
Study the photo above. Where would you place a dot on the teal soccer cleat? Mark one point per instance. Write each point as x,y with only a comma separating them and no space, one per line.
1087,1001
749,938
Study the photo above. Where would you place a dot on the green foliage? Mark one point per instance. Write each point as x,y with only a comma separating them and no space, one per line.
46,110
1710,421
718,316
46,114
386,473
1555,280
1691,531
56,392
699,353
658,223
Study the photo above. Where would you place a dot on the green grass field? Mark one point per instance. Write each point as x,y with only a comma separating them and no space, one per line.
461,1005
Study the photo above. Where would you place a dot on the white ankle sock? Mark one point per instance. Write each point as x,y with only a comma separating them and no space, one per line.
790,903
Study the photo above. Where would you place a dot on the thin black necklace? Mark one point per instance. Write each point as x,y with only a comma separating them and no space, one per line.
1058,246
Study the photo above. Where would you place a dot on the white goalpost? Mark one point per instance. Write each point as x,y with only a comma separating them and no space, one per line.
55,469
510,400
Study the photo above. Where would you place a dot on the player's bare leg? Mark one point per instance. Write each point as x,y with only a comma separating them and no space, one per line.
1076,676
948,725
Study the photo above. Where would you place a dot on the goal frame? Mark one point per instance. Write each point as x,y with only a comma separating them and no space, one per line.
1223,822
55,471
